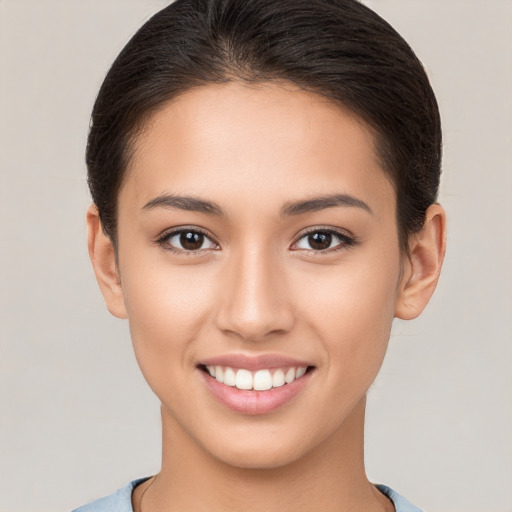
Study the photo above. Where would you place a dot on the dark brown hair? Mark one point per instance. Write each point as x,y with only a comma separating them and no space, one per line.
339,49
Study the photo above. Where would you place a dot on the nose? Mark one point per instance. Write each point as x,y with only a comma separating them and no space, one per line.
253,303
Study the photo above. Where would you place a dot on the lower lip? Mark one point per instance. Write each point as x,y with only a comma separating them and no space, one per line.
255,402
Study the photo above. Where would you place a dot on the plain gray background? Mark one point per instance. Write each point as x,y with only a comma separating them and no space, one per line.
77,421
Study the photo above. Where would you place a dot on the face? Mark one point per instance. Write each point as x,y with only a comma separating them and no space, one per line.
258,248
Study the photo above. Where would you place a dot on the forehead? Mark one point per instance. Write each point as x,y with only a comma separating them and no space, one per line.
267,140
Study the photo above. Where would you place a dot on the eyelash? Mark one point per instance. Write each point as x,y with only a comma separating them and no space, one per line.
163,241
345,241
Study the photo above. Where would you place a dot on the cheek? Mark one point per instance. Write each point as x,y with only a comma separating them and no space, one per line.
351,310
167,307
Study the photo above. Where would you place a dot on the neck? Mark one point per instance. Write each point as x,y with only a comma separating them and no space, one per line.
329,478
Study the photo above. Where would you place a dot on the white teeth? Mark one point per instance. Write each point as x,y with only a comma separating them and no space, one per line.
290,376
300,372
278,379
229,377
260,380
243,379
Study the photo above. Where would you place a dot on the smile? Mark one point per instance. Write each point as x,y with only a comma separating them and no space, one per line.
255,384
261,380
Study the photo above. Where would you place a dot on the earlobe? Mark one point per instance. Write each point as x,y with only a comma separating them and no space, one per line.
103,258
423,265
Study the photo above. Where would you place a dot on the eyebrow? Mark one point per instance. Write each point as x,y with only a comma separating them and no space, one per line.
194,204
187,203
321,203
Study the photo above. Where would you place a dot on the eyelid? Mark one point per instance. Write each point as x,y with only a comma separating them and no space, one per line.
347,239
162,238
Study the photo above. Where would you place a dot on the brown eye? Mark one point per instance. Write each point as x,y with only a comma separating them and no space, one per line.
191,241
323,240
320,241
187,240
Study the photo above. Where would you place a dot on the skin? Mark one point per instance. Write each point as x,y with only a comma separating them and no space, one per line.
259,287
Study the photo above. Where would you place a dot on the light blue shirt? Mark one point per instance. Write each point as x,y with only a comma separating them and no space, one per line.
121,501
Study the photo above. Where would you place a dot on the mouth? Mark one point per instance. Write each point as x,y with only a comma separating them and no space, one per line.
260,380
255,386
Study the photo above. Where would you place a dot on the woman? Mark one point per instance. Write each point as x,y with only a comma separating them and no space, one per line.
264,176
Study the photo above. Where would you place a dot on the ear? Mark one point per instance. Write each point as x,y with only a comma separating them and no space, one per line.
423,265
103,258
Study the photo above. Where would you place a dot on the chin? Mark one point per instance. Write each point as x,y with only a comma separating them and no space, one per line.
258,456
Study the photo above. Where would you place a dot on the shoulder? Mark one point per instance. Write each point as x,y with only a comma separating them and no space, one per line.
120,501
401,504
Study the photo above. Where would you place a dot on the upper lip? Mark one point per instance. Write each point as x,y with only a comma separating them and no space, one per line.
254,362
